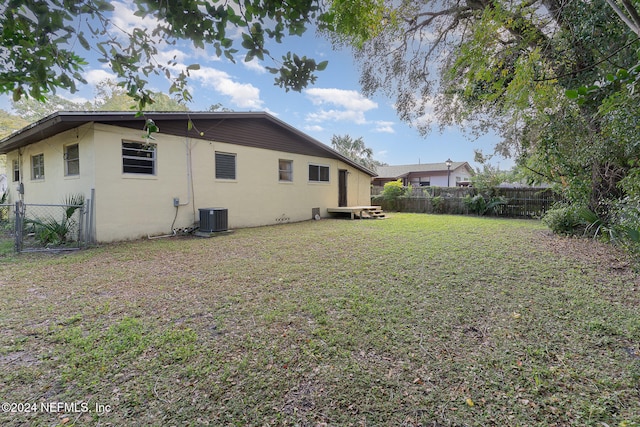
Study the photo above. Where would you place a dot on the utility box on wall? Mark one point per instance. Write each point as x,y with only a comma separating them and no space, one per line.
213,220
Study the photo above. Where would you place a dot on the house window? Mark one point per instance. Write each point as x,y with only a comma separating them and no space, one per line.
138,158
225,166
425,183
37,166
285,170
71,160
16,171
318,173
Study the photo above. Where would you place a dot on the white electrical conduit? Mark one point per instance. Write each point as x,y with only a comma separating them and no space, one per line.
189,189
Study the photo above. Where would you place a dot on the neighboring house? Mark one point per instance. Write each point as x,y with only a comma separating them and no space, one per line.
426,174
258,168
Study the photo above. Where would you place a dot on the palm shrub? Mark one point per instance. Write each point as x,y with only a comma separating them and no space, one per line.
4,210
50,231
479,205
476,204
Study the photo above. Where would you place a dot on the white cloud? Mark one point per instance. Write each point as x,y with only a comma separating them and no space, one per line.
243,95
93,77
337,115
349,106
77,99
314,128
384,127
348,99
124,19
163,57
254,66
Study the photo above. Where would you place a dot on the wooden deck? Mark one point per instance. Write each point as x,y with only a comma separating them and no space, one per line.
360,212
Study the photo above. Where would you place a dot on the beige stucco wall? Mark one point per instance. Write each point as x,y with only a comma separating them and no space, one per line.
130,206
55,186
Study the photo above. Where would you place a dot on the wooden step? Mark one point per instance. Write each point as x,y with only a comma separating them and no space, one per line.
372,214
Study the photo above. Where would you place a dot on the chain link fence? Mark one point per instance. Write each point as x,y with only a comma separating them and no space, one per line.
37,227
7,228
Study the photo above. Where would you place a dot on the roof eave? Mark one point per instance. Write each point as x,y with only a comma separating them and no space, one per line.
25,136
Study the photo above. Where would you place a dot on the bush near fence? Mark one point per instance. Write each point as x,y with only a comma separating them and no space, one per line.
520,202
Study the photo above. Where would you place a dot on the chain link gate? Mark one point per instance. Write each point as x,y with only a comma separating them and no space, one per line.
40,227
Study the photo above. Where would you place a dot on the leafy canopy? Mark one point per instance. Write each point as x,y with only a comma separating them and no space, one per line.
42,42
356,150
507,67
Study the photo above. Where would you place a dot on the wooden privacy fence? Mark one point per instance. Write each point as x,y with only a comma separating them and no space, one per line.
519,202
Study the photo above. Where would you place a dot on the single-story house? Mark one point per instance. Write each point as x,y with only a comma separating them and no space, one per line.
153,174
458,174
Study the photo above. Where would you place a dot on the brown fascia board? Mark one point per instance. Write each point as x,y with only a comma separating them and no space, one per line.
64,120
52,125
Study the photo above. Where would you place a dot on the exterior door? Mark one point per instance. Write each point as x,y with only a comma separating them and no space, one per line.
342,188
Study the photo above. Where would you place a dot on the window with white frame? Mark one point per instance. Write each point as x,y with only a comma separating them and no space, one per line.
138,158
318,173
71,160
225,165
16,170
285,170
37,166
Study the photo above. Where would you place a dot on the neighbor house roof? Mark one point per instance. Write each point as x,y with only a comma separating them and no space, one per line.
228,127
400,171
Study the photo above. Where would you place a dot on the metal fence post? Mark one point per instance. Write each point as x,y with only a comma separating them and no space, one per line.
81,213
18,227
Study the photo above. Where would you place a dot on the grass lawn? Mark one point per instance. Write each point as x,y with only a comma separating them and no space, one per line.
414,320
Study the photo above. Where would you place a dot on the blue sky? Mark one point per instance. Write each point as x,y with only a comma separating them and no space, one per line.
334,105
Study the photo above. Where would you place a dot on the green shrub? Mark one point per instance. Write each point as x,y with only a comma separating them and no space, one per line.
564,219
392,191
438,204
626,218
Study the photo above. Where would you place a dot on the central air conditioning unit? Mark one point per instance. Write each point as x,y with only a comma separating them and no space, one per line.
213,220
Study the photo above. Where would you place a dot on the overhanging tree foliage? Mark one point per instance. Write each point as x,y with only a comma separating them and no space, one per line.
356,150
506,67
42,41
109,97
